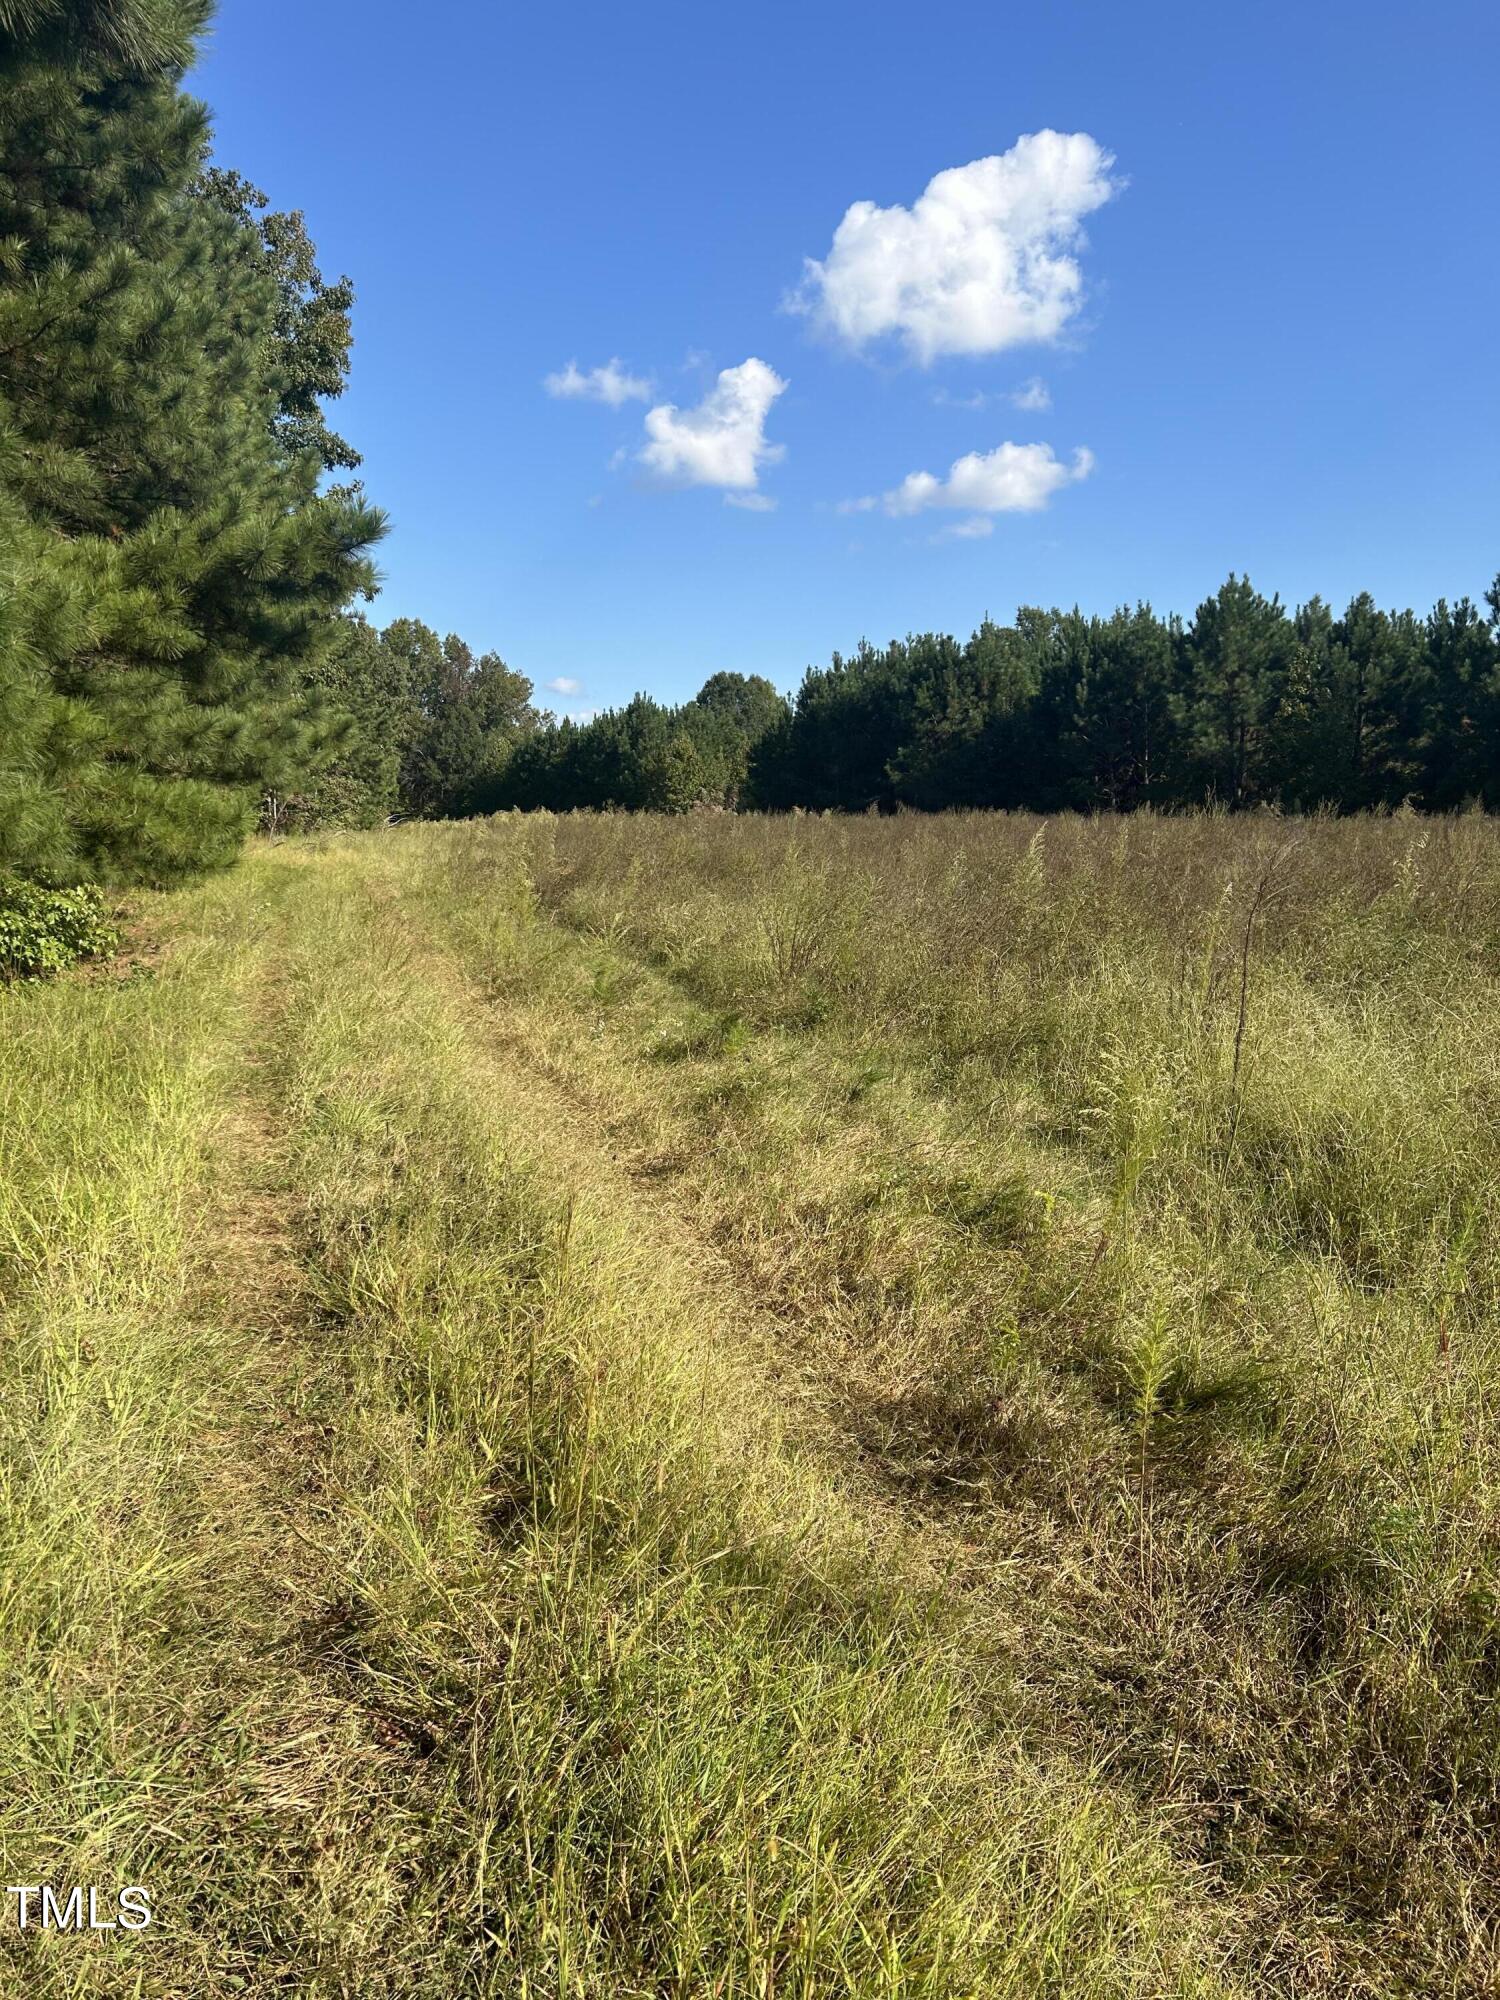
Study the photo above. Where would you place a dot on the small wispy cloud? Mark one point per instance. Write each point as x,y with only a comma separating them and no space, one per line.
974,528
751,503
611,384
1033,394
564,685
1011,479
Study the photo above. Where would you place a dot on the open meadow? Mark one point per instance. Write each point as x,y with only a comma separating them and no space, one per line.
612,1406
749,1037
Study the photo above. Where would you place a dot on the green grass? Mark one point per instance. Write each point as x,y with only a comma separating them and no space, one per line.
609,1407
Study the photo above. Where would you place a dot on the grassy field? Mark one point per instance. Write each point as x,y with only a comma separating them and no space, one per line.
610,1407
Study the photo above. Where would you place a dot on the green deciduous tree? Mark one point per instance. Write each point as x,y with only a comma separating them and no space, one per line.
366,688
308,341
467,716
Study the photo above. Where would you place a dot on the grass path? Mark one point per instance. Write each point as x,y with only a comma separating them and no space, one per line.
408,1577
504,1490
679,1463
308,1820
172,1720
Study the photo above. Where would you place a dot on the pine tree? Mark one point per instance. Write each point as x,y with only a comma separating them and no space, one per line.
1235,657
367,684
129,34
1463,746
957,739
1100,731
1318,737
172,573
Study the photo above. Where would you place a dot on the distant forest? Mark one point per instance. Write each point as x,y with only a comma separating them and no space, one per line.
1249,704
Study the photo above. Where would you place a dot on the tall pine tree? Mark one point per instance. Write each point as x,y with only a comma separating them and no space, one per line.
170,572
1235,659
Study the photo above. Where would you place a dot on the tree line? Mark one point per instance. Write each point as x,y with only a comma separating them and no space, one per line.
1246,704
436,731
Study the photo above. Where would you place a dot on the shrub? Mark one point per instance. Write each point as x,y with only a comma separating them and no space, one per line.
43,931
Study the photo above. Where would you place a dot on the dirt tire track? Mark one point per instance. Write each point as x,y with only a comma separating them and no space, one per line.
265,1614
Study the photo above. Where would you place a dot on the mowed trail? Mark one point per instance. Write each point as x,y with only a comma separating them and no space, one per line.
860,1257
568,1555
414,1578
177,1715
306,1833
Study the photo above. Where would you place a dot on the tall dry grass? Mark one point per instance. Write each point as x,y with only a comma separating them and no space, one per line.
1130,1185
413,1575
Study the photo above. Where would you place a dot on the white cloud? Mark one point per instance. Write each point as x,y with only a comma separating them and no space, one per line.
867,505
609,384
1033,394
979,262
1011,479
970,529
722,442
564,685
753,503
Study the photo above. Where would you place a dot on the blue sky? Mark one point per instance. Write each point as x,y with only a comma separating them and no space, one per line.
1266,334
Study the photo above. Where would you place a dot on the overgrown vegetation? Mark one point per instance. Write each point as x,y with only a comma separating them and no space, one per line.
1119,1189
396,1511
824,1407
44,931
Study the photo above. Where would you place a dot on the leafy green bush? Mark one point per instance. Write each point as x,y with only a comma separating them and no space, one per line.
43,931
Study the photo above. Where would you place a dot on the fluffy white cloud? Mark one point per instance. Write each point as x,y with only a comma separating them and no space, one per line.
1011,479
979,262
723,441
563,685
609,384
